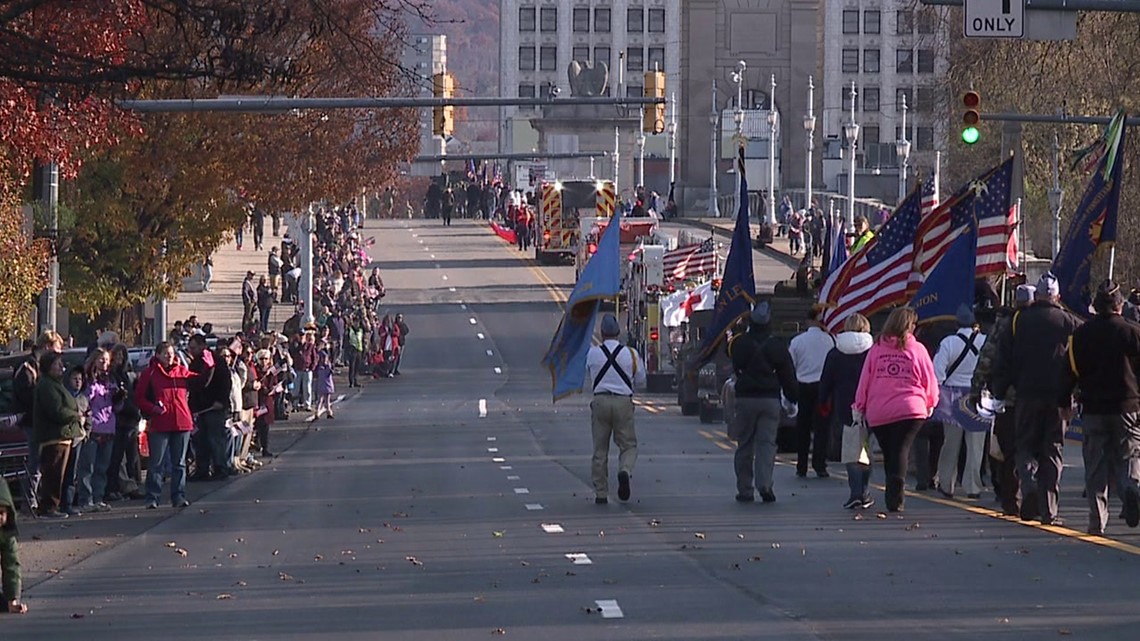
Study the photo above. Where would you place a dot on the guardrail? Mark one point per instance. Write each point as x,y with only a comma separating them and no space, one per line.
757,207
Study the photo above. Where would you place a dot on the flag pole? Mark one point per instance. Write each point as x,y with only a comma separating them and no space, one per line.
1021,249
1111,260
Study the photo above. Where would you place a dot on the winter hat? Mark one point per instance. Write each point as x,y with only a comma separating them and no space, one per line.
1108,295
1025,293
964,315
610,327
1048,286
761,313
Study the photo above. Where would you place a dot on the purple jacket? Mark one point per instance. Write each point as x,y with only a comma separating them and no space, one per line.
100,396
324,379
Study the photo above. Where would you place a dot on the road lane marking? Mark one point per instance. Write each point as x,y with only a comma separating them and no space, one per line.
579,558
534,507
513,477
552,528
506,467
498,459
610,609
483,413
490,353
498,370
490,438
445,276
433,256
521,490
493,450
451,289
480,335
472,321
462,306
718,440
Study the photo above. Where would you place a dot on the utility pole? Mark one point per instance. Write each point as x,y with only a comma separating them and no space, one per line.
47,194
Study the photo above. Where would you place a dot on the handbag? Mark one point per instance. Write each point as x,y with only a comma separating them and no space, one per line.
854,447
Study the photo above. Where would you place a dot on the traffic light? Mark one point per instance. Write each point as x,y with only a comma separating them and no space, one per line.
653,122
443,117
971,101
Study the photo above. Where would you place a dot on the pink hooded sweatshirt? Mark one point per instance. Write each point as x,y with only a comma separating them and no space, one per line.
896,384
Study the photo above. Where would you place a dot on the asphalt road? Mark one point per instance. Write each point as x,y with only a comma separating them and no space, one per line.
454,502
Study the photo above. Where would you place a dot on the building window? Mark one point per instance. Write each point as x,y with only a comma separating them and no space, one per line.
526,90
656,59
927,22
544,89
870,61
526,18
904,22
634,91
602,54
581,54
526,58
548,59
870,99
925,61
602,20
924,138
635,59
635,20
904,93
851,21
872,21
923,101
581,20
549,21
850,61
656,21
870,135
904,61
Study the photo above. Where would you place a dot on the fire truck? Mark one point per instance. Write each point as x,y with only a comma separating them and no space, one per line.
561,207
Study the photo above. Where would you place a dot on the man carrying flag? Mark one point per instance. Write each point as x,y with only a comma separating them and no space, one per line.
616,371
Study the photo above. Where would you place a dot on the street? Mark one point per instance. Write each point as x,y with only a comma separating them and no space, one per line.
454,502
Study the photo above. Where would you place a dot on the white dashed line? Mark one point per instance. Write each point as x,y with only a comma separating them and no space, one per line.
552,528
462,306
480,335
579,558
498,370
472,321
610,609
506,467
513,477
451,289
491,439
483,413
521,490
445,276
433,256
490,353
498,459
534,507
493,450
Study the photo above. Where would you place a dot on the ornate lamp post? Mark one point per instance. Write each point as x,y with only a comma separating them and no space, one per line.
851,133
902,149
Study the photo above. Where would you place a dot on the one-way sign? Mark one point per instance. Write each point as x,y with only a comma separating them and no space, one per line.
995,18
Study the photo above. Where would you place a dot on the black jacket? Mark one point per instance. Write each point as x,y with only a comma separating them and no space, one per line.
24,389
1036,356
1104,356
763,365
212,385
841,371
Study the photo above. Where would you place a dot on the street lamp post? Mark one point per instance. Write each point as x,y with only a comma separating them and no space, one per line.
671,128
1056,196
851,133
809,128
738,116
772,121
641,158
902,148
714,209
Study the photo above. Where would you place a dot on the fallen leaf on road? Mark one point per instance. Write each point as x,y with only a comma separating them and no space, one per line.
523,563
53,571
400,515
479,599
284,577
775,546
346,552
365,530
181,552
1063,632
276,552
699,535
654,522
857,517
318,557
413,560
224,596
498,631
171,544
78,615
912,527
498,534
240,540
740,536
756,558
97,542
881,515
240,584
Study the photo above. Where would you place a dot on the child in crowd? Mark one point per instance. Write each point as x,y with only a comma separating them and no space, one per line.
323,373
75,382
10,583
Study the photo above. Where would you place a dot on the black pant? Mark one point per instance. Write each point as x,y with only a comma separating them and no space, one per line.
896,439
1004,472
1040,438
927,449
261,431
264,313
809,427
352,358
124,475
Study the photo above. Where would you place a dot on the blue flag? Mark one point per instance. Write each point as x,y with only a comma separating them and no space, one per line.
1094,222
738,285
600,279
951,283
838,248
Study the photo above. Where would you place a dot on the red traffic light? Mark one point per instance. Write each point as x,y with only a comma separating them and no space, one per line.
971,100
653,334
592,248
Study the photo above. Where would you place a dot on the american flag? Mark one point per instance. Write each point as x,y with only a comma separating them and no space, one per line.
690,261
876,276
983,202
1013,247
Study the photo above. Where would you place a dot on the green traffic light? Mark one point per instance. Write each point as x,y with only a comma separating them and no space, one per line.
970,135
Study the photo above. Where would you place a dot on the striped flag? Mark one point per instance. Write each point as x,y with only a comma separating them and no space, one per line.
690,261
983,202
875,277
1013,247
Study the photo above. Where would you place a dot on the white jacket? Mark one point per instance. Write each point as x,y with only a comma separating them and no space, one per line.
809,351
950,349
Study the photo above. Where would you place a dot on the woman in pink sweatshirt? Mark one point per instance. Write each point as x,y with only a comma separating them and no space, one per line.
897,392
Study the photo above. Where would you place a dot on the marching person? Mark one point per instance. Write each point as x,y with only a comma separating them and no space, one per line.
897,392
1034,361
763,369
954,364
1104,359
837,387
809,351
615,372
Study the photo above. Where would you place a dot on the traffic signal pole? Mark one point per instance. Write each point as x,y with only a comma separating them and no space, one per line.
284,105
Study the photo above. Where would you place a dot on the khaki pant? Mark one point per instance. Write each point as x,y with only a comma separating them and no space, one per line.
611,416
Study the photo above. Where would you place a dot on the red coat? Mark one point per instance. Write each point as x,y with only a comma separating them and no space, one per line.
171,387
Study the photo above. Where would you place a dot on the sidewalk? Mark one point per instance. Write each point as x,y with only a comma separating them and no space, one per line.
724,227
222,304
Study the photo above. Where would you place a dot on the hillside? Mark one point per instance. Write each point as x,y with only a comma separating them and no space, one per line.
472,30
